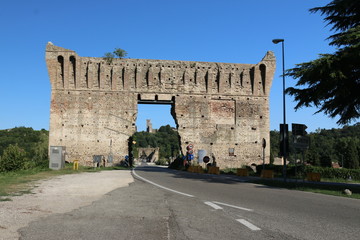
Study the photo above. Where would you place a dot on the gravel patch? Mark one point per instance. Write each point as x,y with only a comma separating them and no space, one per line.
58,195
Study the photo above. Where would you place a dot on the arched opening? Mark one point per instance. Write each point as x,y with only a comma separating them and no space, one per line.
263,76
157,139
72,71
60,71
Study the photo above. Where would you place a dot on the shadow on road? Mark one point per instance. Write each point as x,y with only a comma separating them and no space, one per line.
225,179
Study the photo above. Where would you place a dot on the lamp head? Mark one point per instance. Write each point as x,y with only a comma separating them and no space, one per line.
276,41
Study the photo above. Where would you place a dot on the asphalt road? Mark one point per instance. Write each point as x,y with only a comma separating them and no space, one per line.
278,213
168,204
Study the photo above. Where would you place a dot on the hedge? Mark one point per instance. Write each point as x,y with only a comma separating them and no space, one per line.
325,172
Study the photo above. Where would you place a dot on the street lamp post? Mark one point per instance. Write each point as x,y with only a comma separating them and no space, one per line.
276,41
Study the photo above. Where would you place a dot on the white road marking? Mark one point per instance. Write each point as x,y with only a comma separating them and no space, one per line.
213,205
155,184
233,206
248,224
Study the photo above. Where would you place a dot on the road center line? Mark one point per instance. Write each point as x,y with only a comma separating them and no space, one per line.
155,184
248,224
233,206
213,205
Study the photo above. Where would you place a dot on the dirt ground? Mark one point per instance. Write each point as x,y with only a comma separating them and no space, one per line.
58,195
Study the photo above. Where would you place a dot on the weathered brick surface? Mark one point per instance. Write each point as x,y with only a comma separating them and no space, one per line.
217,106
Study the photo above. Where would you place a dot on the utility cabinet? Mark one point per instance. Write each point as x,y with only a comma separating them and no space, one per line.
57,157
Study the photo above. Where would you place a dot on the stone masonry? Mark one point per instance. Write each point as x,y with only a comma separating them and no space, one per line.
222,108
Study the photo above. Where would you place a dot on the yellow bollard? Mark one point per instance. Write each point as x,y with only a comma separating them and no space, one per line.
76,165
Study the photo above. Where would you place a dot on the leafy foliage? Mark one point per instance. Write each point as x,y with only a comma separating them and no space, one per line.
165,138
333,173
108,57
23,147
326,146
302,170
118,52
332,82
12,159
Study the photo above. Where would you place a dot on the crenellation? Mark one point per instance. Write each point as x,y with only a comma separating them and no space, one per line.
219,107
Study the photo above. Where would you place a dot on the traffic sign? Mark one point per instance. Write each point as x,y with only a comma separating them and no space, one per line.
206,159
301,142
298,129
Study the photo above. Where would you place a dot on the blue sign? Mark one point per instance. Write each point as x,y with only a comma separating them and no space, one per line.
190,157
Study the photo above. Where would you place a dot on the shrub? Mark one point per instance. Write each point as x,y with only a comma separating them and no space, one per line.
301,170
177,163
13,158
343,173
162,162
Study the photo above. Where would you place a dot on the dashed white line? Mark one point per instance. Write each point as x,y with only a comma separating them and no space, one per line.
213,205
169,189
233,206
248,224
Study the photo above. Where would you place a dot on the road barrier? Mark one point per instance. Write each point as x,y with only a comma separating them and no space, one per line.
267,173
195,169
213,170
314,177
242,172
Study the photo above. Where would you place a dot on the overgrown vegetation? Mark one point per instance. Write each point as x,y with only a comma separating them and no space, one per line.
118,52
340,146
300,171
23,148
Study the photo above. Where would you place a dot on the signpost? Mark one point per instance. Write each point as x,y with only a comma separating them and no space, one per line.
264,146
190,152
300,141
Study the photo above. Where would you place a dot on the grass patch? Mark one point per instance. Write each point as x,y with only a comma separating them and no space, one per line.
21,182
335,190
339,180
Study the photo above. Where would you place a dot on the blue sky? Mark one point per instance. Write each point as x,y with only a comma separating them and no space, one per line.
233,31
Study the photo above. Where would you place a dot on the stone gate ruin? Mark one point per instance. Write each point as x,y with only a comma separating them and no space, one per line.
222,108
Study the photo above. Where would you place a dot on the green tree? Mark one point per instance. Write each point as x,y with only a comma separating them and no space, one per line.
40,155
108,57
332,82
120,53
13,159
312,157
275,143
165,138
351,156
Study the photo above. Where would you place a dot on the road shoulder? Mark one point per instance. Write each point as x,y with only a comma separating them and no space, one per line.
58,195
